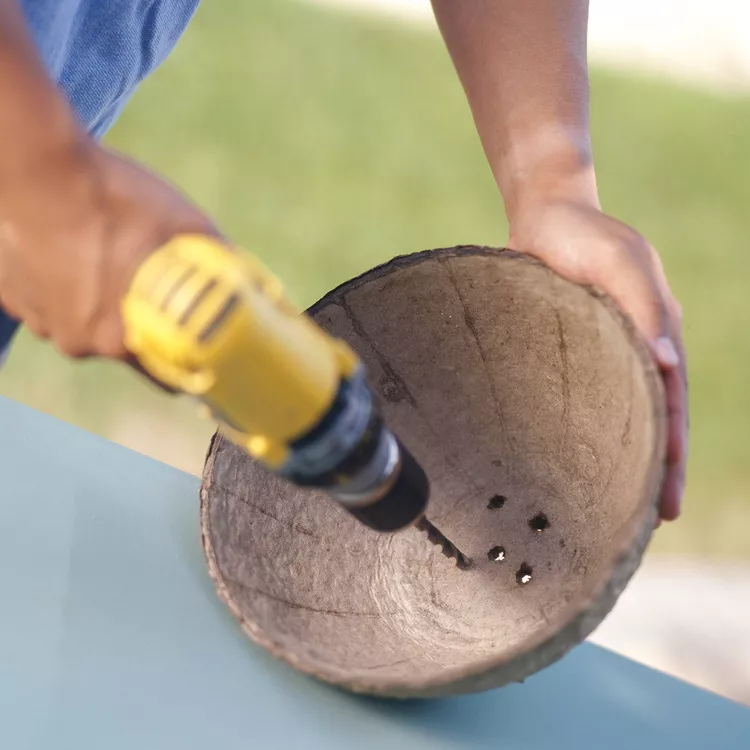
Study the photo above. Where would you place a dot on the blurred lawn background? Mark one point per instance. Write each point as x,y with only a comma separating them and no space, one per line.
328,143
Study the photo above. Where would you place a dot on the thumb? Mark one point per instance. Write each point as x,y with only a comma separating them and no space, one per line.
633,283
665,352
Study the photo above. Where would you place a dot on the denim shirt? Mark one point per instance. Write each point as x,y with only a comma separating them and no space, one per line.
98,51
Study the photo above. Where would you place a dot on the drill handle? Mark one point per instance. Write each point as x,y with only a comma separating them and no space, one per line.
215,324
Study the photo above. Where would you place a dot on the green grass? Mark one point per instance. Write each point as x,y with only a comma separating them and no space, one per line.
327,143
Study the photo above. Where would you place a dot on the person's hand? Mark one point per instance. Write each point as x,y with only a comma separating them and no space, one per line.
581,243
75,222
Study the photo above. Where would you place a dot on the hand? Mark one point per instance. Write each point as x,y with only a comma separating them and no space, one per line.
581,243
75,222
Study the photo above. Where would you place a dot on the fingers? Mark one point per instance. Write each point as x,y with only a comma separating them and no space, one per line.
588,247
641,289
675,382
673,364
630,280
133,362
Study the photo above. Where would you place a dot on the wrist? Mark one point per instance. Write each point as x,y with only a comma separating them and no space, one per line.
51,129
35,119
545,167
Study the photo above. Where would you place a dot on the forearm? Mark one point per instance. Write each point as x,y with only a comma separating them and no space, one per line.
34,115
523,66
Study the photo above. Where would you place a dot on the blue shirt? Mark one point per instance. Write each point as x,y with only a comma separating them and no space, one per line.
98,51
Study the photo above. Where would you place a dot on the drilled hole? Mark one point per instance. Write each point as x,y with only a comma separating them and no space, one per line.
523,574
496,502
539,522
497,554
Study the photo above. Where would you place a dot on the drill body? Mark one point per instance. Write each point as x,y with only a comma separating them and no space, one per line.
215,324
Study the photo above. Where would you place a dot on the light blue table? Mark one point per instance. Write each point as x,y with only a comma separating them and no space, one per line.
111,637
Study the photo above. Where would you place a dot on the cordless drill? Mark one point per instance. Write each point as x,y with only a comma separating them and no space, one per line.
215,324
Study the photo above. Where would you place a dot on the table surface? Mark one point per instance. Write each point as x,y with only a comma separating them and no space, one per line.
111,637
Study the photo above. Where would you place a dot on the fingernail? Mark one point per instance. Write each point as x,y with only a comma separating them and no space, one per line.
665,352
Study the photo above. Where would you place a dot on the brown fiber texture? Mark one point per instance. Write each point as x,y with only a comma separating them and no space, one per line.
520,394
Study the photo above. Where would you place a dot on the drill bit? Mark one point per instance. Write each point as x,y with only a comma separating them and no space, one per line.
448,548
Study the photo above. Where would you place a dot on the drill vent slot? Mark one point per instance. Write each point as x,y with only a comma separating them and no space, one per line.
196,301
219,318
178,284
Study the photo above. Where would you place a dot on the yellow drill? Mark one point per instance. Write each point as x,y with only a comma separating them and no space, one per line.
215,324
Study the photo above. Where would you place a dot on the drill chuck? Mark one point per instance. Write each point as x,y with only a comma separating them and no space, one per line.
402,497
352,455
